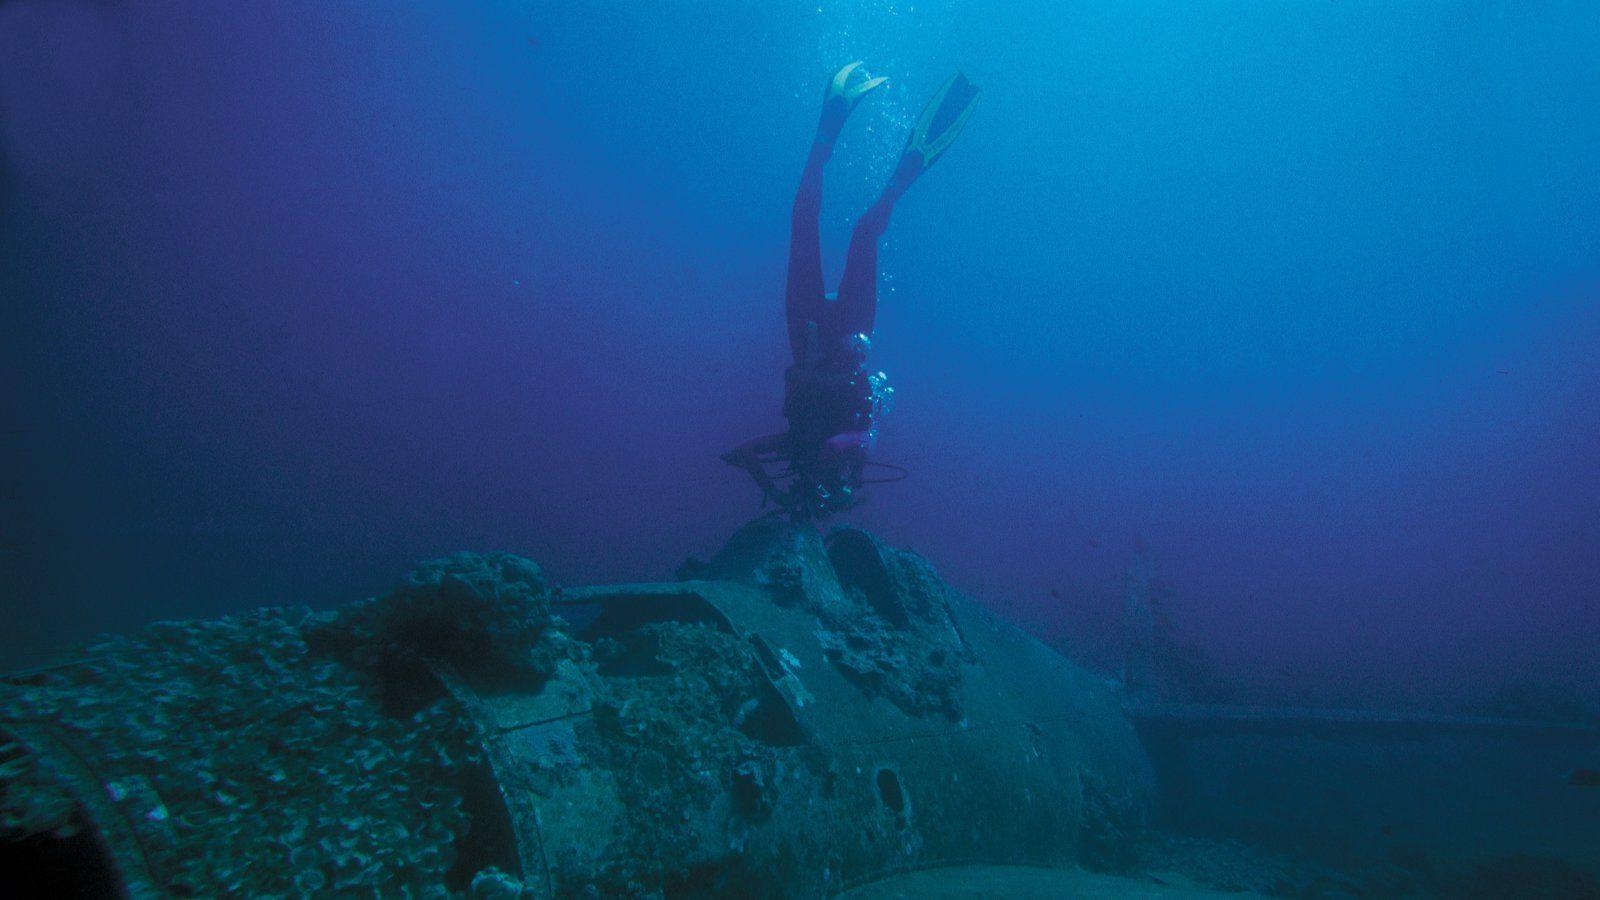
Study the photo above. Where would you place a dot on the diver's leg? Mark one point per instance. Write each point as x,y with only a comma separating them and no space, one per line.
857,306
938,125
804,296
803,292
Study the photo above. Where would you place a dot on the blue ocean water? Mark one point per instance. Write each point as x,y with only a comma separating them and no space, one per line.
1296,302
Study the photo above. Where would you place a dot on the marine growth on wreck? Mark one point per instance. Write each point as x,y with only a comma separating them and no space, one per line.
794,717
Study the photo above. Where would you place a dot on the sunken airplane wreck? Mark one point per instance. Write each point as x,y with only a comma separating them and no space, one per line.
798,716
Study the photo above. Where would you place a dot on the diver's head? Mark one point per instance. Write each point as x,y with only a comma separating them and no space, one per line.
842,498
824,485
814,501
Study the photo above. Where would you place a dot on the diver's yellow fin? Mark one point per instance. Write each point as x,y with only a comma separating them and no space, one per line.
943,118
841,88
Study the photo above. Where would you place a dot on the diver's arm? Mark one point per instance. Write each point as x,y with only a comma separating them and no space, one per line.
849,443
753,455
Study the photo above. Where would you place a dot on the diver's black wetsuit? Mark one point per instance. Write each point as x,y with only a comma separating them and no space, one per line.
804,298
831,401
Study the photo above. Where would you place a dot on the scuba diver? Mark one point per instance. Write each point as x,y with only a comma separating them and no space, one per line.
831,402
